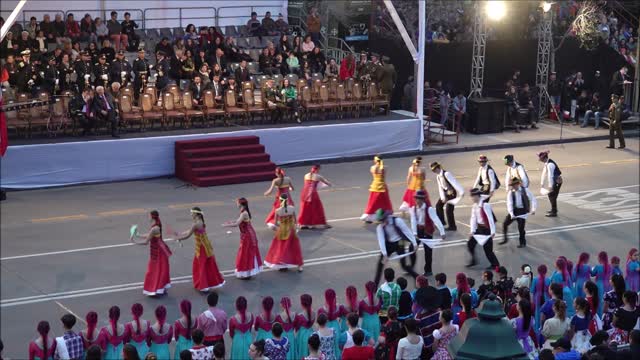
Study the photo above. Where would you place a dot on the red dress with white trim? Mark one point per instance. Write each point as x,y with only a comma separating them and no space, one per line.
248,259
378,196
311,209
285,250
206,275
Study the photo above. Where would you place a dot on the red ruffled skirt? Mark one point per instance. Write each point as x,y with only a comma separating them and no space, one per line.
248,259
284,253
206,275
377,200
312,211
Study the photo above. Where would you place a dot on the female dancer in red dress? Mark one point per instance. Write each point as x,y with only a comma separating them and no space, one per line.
378,192
156,280
415,181
91,335
285,251
311,210
283,185
206,275
248,260
44,346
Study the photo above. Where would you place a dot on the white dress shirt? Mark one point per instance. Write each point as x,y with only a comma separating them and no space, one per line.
547,174
443,187
533,203
476,217
488,176
391,233
418,218
517,171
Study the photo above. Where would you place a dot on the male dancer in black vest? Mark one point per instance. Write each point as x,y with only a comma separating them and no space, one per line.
392,232
550,181
450,192
487,180
424,222
520,203
482,225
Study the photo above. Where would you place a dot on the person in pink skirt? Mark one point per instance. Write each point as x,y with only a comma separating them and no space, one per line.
248,259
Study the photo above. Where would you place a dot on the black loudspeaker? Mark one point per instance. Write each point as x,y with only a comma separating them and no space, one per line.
485,115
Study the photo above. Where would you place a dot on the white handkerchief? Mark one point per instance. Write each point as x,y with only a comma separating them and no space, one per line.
322,185
544,191
482,239
431,243
454,201
396,257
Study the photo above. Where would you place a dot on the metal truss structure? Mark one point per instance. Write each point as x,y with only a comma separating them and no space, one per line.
479,46
545,42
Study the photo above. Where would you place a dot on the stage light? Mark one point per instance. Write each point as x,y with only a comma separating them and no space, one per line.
496,10
546,6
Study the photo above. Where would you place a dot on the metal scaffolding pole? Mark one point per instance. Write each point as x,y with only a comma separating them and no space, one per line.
542,67
479,46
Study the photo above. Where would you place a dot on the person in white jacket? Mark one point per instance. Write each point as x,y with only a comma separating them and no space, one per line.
515,169
550,181
520,203
483,229
450,193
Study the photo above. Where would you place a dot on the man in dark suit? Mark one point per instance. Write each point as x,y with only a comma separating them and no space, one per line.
617,81
197,89
220,59
217,87
105,108
242,73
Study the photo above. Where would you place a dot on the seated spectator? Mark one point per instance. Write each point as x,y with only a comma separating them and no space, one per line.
268,25
102,31
358,351
347,67
217,87
190,33
265,62
205,74
187,65
289,96
525,102
582,105
128,30
297,45
82,110
25,42
88,29
217,43
513,105
104,107
307,45
72,28
633,352
199,351
164,46
47,28
200,58
190,45
281,25
213,34
562,350
59,29
32,28
278,346
197,88
317,61
280,66
293,64
253,25
595,108
242,73
115,32
332,70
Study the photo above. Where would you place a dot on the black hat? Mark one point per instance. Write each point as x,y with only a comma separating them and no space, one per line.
141,50
434,165
599,337
161,53
375,54
420,194
561,343
428,298
508,159
84,53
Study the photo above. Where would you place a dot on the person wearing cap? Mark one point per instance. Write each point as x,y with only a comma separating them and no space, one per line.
28,74
615,125
51,77
486,180
562,350
378,192
428,301
550,181
392,233
84,70
450,192
424,222
101,71
520,203
120,69
285,251
141,69
482,224
515,170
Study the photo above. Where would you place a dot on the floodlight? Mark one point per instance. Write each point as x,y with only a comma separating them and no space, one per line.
546,6
496,10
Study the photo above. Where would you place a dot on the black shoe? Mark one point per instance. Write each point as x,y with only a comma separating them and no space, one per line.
452,228
472,263
506,240
552,214
115,136
610,147
621,147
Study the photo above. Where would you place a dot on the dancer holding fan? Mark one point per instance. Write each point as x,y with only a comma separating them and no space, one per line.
283,185
378,192
285,251
248,260
206,275
156,280
415,182
311,209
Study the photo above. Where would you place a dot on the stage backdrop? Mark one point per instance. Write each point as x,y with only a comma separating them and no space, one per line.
47,165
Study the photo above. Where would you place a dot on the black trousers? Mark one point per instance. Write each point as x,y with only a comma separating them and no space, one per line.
615,130
440,210
85,122
397,247
428,252
521,223
112,119
488,247
553,198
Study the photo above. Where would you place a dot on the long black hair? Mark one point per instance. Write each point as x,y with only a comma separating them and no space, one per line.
244,204
525,307
196,210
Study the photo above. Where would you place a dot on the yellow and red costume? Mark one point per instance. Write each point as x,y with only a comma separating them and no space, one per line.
416,182
378,194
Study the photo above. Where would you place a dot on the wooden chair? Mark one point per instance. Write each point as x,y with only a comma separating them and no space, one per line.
328,105
190,110
151,90
40,116
175,91
300,84
16,123
129,116
357,99
277,79
315,89
307,104
378,99
24,115
247,85
250,105
333,87
149,114
344,104
170,111
212,109
58,117
67,121
231,107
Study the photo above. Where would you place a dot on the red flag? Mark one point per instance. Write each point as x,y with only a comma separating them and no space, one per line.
4,139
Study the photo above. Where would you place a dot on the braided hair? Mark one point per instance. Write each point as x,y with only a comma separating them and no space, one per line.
241,307
136,312
267,306
43,330
352,298
185,309
198,212
285,302
114,316
305,301
161,316
92,322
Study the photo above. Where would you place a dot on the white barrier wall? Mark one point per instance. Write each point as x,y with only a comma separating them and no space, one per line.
46,165
164,11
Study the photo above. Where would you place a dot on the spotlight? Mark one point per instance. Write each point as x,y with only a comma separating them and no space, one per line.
546,6
496,10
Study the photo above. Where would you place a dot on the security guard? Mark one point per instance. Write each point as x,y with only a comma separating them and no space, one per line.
101,72
141,69
84,71
162,67
51,77
120,69
615,126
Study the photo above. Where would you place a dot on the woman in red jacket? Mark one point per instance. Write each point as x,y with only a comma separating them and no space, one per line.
347,67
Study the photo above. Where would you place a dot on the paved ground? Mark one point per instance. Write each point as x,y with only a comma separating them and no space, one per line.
67,249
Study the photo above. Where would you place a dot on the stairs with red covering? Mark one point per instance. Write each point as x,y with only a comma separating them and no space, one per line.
221,161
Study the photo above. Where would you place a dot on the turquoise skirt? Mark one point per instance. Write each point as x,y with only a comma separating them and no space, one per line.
343,324
336,331
371,323
142,348
161,351
263,335
240,345
182,344
302,341
113,352
291,355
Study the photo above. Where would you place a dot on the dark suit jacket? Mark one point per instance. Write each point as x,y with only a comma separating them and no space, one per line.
220,89
197,95
616,85
242,75
221,61
99,105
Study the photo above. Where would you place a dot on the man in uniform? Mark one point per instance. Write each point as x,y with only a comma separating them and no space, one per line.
389,76
362,69
141,68
28,75
101,72
163,68
51,78
84,71
273,99
118,67
615,121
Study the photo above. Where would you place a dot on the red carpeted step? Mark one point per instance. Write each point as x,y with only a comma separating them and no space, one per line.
226,150
234,169
233,179
217,142
228,160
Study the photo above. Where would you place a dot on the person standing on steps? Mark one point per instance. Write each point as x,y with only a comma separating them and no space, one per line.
424,221
450,193
515,170
486,181
520,203
615,125
483,229
550,182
